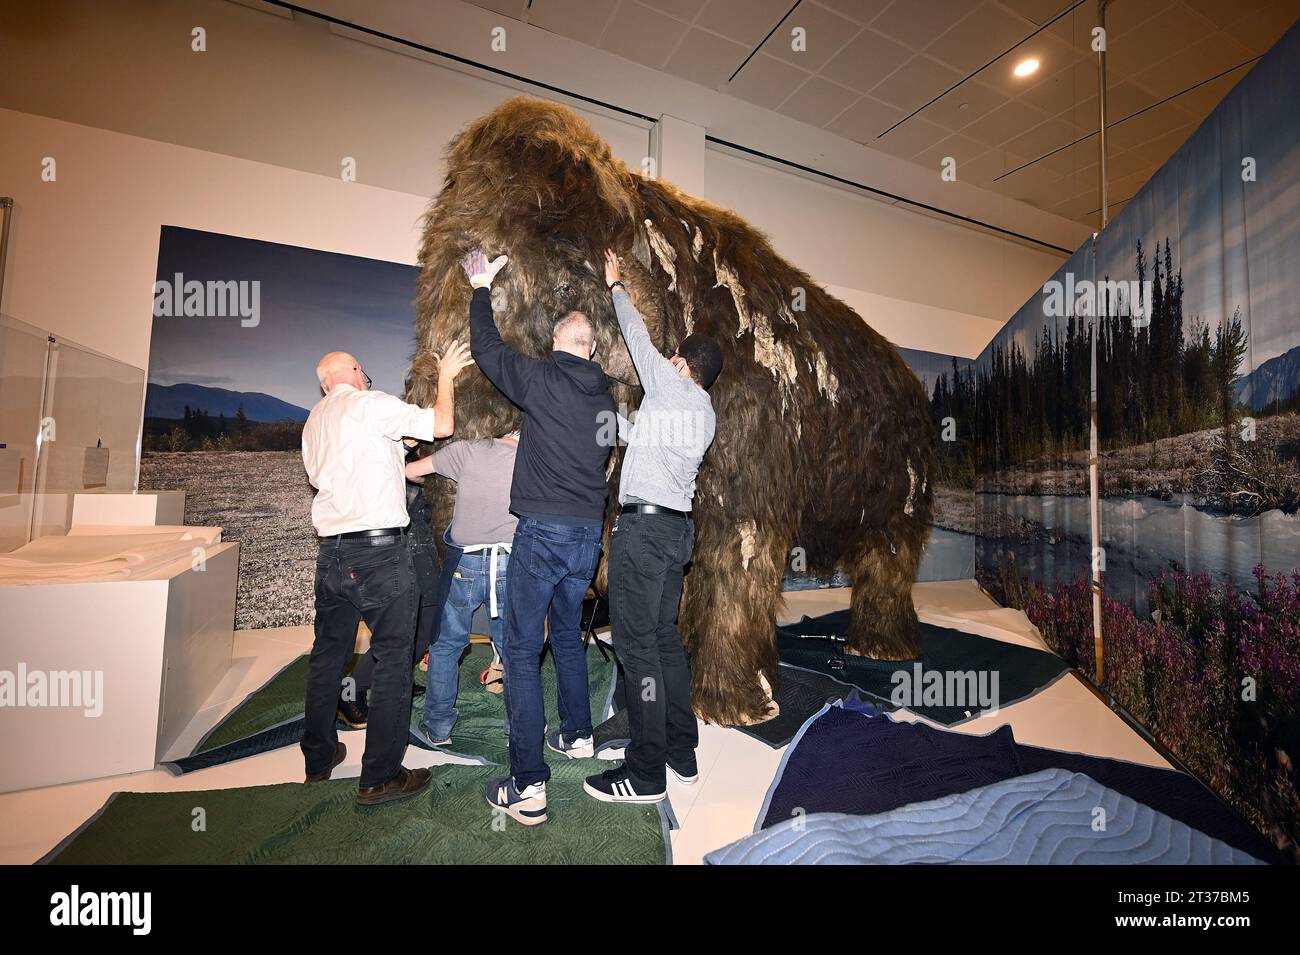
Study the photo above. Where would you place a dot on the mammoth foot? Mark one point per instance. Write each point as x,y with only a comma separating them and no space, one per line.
769,711
884,629
730,705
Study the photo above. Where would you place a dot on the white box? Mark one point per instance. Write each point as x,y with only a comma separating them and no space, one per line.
135,509
160,645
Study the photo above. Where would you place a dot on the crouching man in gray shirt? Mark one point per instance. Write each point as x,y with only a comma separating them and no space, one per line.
478,548
650,545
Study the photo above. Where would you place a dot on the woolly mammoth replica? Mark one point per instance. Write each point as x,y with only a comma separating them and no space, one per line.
824,440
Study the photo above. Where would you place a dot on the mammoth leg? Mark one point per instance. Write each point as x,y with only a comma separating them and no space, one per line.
884,623
728,618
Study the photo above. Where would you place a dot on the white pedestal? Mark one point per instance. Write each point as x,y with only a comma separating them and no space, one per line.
125,509
157,646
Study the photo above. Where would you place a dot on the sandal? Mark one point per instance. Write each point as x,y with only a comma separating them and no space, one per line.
492,678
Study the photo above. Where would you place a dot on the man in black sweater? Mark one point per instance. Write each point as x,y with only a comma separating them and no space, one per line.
558,492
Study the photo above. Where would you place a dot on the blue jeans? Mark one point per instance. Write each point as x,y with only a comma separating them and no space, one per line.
551,566
469,589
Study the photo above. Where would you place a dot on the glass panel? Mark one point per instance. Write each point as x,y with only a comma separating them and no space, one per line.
22,374
90,431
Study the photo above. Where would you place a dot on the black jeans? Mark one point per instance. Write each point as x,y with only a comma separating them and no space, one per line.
428,617
648,554
426,632
355,581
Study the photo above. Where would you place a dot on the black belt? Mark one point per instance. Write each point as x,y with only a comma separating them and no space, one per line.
375,537
651,509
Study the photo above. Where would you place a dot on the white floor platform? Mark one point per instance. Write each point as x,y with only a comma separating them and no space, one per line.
735,769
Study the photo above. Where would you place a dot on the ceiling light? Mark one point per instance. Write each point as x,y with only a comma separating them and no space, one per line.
1025,67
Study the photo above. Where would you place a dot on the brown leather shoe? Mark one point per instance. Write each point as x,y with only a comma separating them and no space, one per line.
405,784
340,752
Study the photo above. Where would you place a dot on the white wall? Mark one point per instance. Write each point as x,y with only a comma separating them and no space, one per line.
285,92
84,249
920,281
466,31
247,139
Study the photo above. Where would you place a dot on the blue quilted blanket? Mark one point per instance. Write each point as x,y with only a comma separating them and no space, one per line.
847,760
1053,817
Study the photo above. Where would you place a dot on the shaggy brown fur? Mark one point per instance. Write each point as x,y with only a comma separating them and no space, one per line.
824,440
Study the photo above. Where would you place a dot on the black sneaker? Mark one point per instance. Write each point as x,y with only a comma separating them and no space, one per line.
686,770
615,785
353,713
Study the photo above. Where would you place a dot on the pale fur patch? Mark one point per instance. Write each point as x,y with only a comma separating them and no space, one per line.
827,383
748,530
773,355
729,279
664,252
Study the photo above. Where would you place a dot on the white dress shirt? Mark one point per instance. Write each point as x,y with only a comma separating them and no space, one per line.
352,449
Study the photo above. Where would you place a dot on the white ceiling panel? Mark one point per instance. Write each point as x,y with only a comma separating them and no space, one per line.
938,74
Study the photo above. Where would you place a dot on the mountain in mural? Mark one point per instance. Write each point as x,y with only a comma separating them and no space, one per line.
170,401
1274,383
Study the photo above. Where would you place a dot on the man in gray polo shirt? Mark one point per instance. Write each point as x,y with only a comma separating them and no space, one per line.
649,547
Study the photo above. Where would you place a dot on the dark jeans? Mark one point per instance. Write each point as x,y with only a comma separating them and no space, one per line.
551,566
647,556
356,581
426,627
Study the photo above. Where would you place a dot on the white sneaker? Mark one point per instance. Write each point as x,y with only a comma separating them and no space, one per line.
526,806
579,748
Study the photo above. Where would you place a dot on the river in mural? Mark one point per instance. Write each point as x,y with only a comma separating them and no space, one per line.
1141,537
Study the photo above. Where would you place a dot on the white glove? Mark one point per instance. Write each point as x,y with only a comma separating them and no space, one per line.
481,272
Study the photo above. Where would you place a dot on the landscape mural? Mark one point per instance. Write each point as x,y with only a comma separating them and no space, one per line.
1198,404
228,393
950,383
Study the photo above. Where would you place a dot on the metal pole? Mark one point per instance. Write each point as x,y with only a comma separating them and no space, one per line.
1094,495
1101,108
1094,506
7,210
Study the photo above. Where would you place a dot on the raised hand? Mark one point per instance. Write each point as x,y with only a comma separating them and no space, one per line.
613,271
454,359
479,270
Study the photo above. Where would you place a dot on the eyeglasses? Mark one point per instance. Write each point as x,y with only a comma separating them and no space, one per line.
369,383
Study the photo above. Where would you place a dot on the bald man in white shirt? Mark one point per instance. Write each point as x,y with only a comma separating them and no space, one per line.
353,452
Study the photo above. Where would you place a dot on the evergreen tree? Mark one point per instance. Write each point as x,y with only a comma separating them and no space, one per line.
1153,379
